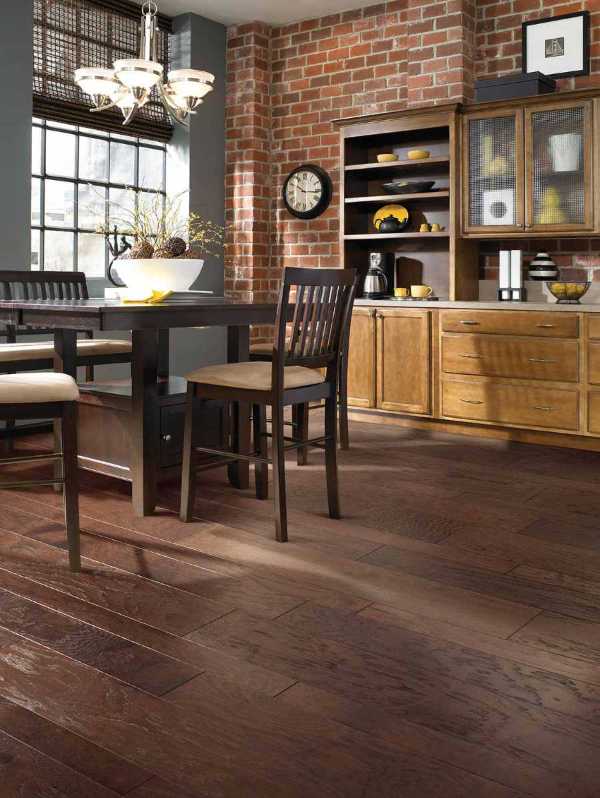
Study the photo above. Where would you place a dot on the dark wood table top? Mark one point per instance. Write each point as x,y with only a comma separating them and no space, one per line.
111,314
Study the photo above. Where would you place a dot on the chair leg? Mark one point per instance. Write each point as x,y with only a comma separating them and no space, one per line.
343,405
279,473
188,482
59,470
9,431
331,457
300,422
71,484
261,470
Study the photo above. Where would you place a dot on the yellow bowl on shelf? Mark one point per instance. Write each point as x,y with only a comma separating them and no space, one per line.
565,291
418,155
387,157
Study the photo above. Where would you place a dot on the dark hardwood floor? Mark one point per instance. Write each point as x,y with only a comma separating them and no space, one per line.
441,641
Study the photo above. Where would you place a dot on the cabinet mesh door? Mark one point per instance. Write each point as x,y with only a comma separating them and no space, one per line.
558,166
492,172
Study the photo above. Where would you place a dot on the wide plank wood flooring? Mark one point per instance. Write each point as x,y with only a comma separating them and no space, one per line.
441,641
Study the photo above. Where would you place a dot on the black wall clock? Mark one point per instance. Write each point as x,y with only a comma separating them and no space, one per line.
307,191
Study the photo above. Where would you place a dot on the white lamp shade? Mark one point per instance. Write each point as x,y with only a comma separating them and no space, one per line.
137,73
190,82
97,81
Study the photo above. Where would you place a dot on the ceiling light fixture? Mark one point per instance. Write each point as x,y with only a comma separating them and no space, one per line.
129,83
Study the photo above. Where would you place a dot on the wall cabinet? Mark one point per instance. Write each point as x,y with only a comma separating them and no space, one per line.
529,169
389,364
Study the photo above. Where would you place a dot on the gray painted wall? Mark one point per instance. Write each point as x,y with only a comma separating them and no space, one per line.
16,57
196,163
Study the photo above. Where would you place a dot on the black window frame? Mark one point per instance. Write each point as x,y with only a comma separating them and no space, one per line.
79,131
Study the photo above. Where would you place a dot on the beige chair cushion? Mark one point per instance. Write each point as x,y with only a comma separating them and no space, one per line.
254,376
37,387
40,350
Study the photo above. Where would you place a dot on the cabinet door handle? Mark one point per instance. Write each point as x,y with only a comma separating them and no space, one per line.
541,360
472,401
545,408
469,322
473,357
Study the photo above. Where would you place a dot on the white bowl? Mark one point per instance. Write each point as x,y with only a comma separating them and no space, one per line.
159,274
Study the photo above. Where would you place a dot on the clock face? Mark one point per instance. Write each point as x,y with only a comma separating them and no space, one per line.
307,192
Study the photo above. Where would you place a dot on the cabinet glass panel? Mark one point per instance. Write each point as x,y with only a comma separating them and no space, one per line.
492,172
558,178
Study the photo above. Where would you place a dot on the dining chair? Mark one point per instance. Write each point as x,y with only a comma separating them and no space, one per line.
300,413
304,368
48,395
18,355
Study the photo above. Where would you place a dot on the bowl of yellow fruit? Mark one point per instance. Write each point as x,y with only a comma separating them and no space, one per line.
568,291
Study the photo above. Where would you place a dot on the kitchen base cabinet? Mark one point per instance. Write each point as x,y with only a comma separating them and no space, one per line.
362,386
403,361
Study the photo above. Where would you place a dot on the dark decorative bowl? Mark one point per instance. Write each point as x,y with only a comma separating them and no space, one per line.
568,292
408,186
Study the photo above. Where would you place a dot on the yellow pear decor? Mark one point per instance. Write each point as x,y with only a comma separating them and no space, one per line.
398,212
550,211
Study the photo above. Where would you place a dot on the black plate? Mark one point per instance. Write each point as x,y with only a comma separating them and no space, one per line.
409,186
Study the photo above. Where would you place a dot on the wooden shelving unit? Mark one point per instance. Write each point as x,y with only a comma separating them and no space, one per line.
429,258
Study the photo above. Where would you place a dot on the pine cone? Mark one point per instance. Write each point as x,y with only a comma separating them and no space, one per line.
163,252
176,245
193,252
141,249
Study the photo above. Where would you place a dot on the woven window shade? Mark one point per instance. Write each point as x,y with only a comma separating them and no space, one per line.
68,34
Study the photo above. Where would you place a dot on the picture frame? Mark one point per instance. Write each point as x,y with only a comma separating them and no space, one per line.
558,47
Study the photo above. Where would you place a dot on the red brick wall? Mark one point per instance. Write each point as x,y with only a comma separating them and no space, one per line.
287,84
498,35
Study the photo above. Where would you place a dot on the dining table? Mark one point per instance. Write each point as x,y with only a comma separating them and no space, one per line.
149,326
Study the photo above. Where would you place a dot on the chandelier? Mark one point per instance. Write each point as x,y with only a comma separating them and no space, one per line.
128,85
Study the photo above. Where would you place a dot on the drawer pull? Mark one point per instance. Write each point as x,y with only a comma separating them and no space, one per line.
541,360
469,322
545,408
167,438
545,326
472,401
473,357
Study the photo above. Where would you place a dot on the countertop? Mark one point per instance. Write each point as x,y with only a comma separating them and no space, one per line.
589,307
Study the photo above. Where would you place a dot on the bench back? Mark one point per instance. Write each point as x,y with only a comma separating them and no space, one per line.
15,284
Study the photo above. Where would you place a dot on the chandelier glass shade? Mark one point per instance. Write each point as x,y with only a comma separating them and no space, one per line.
129,84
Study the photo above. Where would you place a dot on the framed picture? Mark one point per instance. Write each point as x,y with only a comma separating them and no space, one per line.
557,46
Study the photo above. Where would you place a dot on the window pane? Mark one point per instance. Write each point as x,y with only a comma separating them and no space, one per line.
121,207
36,150
60,153
151,203
93,159
151,169
91,207
59,204
58,250
35,249
36,214
122,163
91,254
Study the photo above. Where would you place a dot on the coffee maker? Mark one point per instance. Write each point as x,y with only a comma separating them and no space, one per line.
379,280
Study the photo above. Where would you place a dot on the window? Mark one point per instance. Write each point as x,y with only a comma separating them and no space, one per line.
81,179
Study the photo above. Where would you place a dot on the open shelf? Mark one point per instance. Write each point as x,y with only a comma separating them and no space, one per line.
379,198
376,236
393,166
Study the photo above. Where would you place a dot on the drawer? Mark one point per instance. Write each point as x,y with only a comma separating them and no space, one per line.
506,356
594,412
594,325
594,363
511,404
553,324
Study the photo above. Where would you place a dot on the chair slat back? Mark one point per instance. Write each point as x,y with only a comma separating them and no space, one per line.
15,284
319,304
